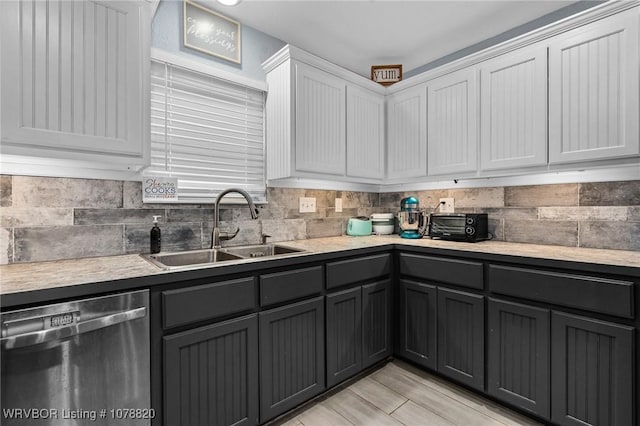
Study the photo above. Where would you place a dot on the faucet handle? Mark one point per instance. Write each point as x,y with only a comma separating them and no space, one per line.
263,238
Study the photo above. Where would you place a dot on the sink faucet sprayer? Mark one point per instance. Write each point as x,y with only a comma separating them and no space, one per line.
216,235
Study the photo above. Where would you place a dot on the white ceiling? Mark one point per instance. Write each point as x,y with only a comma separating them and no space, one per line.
359,33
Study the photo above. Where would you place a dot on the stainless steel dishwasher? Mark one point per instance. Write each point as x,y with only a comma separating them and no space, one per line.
77,363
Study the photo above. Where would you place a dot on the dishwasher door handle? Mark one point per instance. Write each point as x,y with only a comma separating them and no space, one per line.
52,334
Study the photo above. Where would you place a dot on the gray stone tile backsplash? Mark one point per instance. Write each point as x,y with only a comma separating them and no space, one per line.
60,218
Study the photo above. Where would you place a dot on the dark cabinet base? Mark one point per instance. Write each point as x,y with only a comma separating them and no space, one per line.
292,363
211,375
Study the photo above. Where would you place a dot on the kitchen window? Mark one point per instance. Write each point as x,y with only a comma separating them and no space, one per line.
207,129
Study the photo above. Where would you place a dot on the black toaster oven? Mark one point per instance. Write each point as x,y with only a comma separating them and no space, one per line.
470,227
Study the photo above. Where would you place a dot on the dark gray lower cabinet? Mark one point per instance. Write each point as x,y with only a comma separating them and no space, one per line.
591,371
519,348
344,335
292,362
461,336
376,322
211,374
417,311
358,329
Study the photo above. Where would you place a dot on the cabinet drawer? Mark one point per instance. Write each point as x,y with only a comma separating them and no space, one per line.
199,303
357,270
595,294
283,286
451,271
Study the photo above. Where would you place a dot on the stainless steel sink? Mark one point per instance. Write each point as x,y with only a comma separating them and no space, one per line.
261,250
200,258
190,258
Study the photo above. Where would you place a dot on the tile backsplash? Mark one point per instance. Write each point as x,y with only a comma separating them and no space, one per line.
61,218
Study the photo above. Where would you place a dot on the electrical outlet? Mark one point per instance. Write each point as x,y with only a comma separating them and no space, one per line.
448,206
338,205
307,205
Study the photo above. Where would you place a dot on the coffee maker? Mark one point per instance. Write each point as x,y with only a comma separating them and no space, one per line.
411,219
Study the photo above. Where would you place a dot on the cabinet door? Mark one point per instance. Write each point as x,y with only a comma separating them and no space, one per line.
514,109
291,356
344,335
452,123
417,323
211,374
376,322
461,337
407,139
79,83
591,372
365,133
593,91
519,346
320,122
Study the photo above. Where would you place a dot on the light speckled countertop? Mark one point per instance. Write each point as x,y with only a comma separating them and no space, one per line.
26,277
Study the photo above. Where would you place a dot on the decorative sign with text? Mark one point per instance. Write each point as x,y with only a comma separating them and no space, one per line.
159,190
212,33
386,74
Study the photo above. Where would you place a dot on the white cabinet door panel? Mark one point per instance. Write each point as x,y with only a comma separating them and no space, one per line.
452,122
365,133
514,109
407,139
593,91
320,122
72,76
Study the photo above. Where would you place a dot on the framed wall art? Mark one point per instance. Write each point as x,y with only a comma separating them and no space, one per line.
210,32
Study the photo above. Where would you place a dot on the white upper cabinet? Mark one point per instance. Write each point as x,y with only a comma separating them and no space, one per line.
407,133
452,122
75,80
323,121
514,109
593,91
365,133
320,121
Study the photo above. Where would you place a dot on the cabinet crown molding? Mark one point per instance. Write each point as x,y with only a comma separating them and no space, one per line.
538,35
291,52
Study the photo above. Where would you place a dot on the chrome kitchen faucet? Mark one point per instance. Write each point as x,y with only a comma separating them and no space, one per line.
216,234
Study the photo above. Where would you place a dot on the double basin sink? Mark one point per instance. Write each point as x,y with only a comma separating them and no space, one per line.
199,258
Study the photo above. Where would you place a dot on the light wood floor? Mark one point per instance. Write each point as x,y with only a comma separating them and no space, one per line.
400,394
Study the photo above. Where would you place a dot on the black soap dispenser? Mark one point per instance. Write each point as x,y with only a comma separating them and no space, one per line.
155,241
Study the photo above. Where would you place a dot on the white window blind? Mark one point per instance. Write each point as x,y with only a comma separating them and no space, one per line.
207,132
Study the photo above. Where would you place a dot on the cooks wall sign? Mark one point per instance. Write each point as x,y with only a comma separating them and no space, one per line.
211,32
156,189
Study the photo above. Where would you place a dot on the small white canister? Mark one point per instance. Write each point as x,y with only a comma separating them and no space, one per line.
383,223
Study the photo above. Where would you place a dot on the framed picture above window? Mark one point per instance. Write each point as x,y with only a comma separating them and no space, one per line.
210,32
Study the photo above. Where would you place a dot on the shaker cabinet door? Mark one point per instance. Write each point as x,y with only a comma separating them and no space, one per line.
365,133
211,375
292,362
519,347
461,337
593,91
591,373
513,102
376,322
344,335
79,88
417,333
452,122
407,133
320,122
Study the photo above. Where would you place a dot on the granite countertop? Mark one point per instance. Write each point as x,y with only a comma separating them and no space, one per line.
25,277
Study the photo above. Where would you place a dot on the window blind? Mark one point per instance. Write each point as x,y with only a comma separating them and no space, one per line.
207,132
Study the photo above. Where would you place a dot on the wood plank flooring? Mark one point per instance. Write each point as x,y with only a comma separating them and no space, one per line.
400,394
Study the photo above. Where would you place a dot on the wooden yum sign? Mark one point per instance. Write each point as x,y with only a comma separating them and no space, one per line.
386,74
